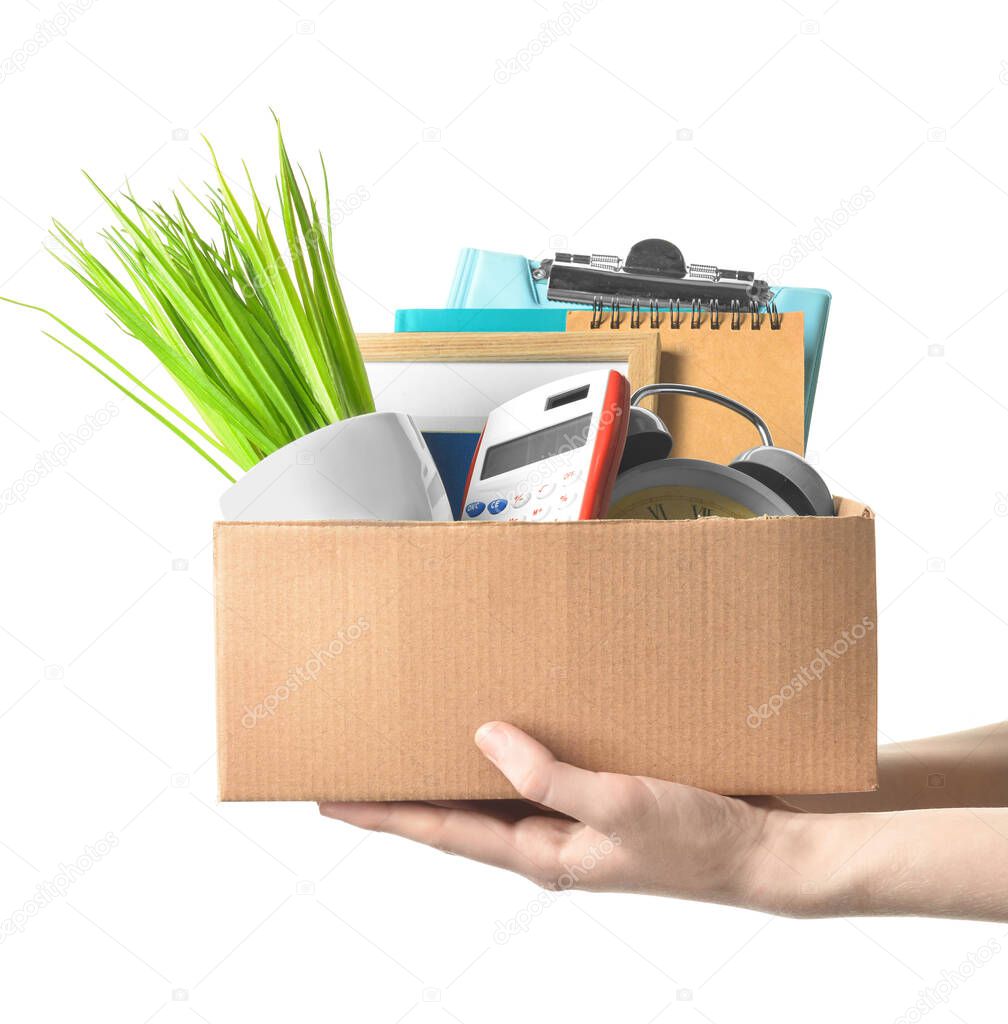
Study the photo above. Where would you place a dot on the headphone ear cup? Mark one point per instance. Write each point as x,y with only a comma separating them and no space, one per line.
789,476
648,439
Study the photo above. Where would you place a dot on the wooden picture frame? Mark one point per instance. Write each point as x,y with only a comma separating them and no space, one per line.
450,382
640,350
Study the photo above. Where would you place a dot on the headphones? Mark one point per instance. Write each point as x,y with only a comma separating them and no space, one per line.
764,480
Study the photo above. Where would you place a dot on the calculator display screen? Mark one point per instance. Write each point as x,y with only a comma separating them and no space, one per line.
534,447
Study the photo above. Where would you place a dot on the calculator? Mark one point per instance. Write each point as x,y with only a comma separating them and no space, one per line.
551,454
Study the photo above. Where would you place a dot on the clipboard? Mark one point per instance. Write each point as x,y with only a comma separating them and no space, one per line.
494,291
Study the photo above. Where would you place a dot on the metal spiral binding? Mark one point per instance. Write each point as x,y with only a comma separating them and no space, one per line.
599,304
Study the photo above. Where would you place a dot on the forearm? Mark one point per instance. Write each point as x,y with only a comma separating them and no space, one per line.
963,769
946,862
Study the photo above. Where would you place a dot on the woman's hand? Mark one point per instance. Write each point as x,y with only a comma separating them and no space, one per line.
637,834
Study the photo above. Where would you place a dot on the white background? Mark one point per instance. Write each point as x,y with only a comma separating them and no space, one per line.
731,128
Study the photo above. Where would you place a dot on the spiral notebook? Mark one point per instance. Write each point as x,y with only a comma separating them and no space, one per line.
756,358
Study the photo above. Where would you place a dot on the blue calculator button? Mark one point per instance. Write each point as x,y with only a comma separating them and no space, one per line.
474,508
497,506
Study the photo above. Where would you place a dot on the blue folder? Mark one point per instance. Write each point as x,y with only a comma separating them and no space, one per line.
452,452
495,291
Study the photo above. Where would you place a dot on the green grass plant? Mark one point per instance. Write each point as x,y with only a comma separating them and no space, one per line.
252,327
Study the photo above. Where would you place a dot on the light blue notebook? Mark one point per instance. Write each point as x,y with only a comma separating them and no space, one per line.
495,291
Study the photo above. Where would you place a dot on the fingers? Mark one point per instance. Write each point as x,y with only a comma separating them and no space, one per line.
497,833
469,833
503,810
538,776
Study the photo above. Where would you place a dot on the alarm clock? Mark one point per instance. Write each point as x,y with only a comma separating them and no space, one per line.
552,453
763,481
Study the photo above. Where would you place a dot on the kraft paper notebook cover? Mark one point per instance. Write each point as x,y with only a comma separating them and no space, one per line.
745,358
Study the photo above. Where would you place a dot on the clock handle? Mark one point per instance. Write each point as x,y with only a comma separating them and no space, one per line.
712,396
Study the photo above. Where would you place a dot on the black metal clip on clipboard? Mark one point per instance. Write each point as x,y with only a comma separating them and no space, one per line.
656,272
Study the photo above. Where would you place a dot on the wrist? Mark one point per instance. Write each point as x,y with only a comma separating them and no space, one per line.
896,862
848,864
812,865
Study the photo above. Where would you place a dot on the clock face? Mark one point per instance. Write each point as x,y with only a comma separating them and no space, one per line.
677,502
692,489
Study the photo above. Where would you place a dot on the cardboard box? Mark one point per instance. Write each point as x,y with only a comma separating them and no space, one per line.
356,660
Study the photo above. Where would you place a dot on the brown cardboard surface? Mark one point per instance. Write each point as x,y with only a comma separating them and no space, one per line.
763,369
356,660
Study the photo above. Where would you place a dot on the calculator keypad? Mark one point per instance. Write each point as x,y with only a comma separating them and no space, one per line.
553,497
546,502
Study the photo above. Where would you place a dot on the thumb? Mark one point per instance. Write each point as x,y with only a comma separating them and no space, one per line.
540,777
